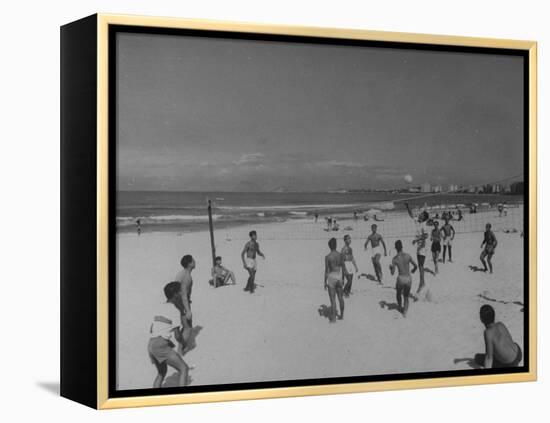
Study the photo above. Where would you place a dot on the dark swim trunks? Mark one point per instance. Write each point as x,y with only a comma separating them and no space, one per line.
436,247
499,365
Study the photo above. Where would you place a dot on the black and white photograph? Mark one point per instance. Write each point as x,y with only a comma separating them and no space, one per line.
312,210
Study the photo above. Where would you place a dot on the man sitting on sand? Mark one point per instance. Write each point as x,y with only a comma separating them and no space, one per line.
333,280
490,243
350,267
165,332
251,249
186,280
221,275
500,349
404,279
376,240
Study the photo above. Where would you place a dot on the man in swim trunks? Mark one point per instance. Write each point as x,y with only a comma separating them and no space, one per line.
186,280
490,243
375,240
251,249
165,331
404,279
333,280
420,241
500,349
436,244
350,267
448,233
221,275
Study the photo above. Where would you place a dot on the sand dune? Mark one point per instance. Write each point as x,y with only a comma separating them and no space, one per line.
279,333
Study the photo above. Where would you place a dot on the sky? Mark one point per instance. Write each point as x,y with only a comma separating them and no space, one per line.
205,114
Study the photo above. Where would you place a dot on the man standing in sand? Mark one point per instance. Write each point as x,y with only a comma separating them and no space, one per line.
375,240
186,280
165,332
404,279
333,280
251,249
420,241
500,349
490,243
436,245
448,233
350,267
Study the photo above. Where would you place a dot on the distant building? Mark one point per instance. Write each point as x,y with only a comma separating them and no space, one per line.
426,187
472,189
497,189
453,188
437,188
415,189
517,188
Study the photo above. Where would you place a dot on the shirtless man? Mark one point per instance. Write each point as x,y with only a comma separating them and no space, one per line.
420,241
333,280
500,349
375,240
350,267
448,233
251,249
436,244
490,243
404,280
186,280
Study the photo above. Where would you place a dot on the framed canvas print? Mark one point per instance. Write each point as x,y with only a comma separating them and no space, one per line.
257,211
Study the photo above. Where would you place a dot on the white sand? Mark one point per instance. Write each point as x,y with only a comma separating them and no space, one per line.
278,334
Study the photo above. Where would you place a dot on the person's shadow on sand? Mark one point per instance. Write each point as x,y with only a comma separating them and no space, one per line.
368,276
388,306
192,340
477,362
324,311
172,381
476,269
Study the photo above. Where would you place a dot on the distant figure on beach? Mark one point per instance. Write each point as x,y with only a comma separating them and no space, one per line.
500,208
435,238
251,249
448,233
316,217
505,209
489,245
376,240
500,349
221,275
420,241
165,331
366,217
355,216
329,223
333,280
138,224
335,225
350,267
460,217
186,280
404,280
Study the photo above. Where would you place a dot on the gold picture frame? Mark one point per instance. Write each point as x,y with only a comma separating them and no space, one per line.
99,25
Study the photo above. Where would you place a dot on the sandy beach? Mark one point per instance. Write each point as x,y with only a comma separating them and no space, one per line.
278,333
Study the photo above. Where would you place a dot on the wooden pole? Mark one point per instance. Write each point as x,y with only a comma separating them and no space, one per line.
212,245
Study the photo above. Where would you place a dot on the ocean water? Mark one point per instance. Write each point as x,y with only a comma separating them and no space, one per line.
186,211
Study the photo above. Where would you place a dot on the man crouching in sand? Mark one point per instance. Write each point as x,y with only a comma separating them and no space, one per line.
334,280
165,331
404,280
500,349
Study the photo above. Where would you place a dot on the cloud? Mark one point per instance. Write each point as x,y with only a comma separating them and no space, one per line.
250,159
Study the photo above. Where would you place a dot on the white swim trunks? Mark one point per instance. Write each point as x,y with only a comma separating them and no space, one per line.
376,250
350,268
251,263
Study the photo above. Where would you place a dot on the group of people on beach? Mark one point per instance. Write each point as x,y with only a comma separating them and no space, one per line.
172,323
